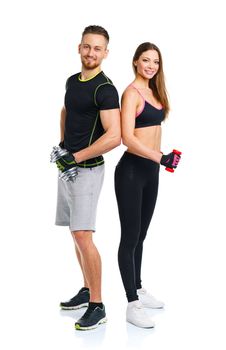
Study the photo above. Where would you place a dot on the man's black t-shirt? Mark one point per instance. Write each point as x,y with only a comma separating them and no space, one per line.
84,99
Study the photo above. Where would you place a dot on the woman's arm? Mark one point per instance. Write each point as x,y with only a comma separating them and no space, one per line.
130,102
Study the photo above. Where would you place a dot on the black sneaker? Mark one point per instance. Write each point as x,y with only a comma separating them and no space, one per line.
78,301
91,319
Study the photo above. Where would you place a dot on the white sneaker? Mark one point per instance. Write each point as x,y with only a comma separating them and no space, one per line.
148,300
136,315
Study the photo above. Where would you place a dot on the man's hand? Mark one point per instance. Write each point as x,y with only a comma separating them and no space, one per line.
66,162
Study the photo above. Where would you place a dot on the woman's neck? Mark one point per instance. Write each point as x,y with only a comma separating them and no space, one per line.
141,83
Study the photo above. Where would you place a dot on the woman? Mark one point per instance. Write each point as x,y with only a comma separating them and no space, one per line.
144,106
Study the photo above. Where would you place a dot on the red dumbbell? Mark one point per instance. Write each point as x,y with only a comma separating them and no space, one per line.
171,170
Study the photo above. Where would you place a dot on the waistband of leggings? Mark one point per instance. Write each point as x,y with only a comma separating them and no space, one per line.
139,160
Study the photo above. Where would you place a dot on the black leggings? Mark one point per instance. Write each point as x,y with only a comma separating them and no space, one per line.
136,188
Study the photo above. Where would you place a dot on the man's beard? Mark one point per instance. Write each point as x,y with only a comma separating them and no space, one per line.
89,65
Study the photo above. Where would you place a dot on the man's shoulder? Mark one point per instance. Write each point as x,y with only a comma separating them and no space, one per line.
105,79
106,94
73,76
72,79
104,83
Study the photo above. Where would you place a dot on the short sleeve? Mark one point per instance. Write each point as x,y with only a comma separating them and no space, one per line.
107,97
69,81
66,85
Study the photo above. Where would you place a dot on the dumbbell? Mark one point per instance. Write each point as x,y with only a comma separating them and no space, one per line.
171,170
56,154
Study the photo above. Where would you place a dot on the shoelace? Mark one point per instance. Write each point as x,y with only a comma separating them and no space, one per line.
87,313
77,295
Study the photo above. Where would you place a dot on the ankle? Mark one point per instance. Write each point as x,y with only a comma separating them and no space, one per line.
93,305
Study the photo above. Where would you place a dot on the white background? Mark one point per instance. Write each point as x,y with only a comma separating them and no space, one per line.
184,256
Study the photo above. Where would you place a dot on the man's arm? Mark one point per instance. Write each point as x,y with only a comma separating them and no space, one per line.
62,123
110,120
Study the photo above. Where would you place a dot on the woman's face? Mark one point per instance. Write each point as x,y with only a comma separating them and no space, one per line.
147,64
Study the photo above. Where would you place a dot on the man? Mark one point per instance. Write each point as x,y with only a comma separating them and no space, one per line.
90,126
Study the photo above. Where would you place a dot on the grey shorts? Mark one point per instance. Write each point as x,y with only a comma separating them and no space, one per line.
77,201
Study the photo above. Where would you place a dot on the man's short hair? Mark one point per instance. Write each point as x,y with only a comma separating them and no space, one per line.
93,29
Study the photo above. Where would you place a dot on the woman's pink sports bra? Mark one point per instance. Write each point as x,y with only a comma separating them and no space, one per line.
149,115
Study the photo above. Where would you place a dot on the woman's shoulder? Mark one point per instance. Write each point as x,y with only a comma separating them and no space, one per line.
130,91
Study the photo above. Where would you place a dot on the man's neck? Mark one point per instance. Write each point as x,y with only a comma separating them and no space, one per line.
87,74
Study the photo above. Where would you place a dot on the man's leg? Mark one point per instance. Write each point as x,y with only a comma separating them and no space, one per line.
90,262
82,298
80,261
91,266
83,196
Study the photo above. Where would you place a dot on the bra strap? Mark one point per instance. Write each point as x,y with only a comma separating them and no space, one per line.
137,91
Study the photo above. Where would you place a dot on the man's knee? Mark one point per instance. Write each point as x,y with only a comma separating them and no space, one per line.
82,238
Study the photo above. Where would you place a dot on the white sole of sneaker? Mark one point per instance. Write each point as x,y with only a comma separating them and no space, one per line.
141,326
79,328
74,307
153,307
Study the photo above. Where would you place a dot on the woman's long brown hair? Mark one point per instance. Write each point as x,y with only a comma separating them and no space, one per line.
157,83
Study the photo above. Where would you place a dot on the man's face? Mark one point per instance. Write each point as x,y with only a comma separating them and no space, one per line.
93,49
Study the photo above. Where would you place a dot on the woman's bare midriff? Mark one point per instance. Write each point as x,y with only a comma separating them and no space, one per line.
150,136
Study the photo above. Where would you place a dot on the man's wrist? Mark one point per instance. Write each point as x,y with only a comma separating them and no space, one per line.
61,144
75,157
